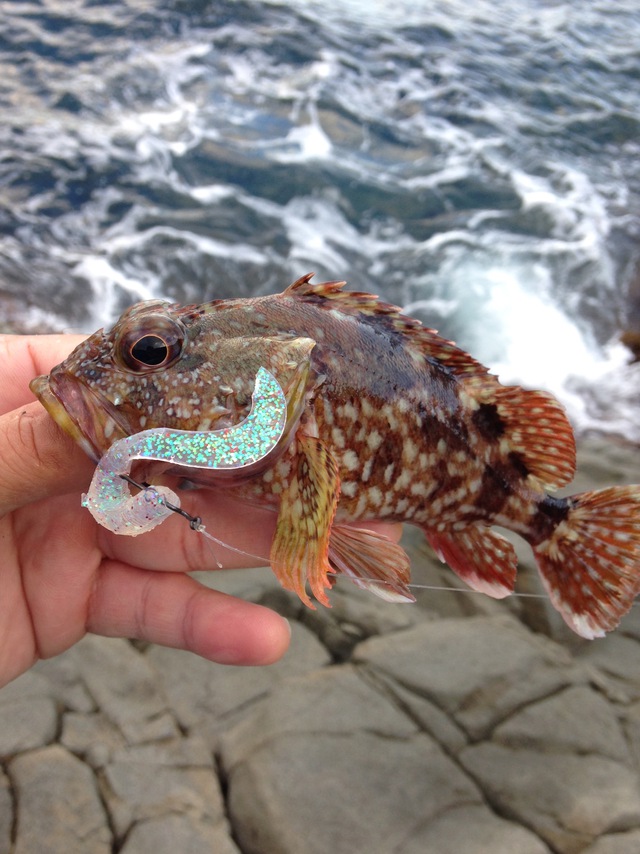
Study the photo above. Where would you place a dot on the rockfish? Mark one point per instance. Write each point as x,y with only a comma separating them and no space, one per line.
385,420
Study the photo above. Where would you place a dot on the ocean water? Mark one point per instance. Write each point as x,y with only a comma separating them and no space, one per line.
476,163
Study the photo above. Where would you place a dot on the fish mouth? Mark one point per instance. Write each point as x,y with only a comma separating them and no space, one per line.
89,419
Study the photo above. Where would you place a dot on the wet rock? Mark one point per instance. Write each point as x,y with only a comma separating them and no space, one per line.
365,765
151,781
631,726
65,681
568,800
28,714
58,806
603,462
92,737
334,699
208,696
577,720
123,684
630,624
363,793
355,615
618,658
616,843
172,834
473,830
6,813
477,670
428,717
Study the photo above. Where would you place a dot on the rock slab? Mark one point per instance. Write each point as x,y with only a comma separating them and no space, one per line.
58,805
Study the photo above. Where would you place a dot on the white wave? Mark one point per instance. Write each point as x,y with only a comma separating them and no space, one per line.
201,245
304,142
108,285
541,346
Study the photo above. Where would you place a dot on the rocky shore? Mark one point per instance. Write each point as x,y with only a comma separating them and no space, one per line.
458,725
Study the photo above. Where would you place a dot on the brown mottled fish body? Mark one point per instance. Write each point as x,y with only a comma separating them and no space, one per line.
386,420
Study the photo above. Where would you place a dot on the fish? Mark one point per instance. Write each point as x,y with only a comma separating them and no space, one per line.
385,420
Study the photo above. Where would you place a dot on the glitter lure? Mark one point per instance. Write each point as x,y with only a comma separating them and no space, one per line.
241,446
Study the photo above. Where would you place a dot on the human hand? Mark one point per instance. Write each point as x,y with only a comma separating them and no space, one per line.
62,575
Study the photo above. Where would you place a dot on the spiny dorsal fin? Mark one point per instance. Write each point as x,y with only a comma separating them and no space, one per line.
427,341
348,301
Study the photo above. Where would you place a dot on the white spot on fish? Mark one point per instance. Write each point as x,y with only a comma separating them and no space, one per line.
349,411
403,481
390,415
361,506
367,408
337,437
349,488
328,411
419,489
366,470
401,506
374,440
409,451
350,460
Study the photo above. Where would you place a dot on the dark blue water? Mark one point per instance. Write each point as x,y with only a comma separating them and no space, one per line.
477,163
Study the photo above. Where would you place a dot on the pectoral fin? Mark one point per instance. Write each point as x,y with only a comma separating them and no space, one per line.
299,553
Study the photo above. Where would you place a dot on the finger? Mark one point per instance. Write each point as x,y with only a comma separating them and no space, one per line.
24,357
37,459
174,610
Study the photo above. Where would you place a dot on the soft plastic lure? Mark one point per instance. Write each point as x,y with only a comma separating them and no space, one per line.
109,498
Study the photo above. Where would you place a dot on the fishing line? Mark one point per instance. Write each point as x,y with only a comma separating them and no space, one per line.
469,590
196,524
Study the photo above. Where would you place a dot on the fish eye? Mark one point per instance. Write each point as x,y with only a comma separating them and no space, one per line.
151,350
150,343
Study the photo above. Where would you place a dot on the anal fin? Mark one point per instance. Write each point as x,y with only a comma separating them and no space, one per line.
372,561
300,548
482,558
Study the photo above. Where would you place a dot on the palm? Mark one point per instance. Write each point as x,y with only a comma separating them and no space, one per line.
64,576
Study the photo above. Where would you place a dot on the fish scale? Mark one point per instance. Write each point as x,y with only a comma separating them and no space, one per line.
384,420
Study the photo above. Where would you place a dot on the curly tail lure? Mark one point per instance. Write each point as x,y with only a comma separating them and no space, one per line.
109,499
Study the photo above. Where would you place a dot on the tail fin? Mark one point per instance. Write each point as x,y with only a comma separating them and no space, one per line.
590,564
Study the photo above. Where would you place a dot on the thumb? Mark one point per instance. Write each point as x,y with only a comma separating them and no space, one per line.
37,459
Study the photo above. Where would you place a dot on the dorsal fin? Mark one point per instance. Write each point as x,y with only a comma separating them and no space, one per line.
427,341
348,301
534,426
